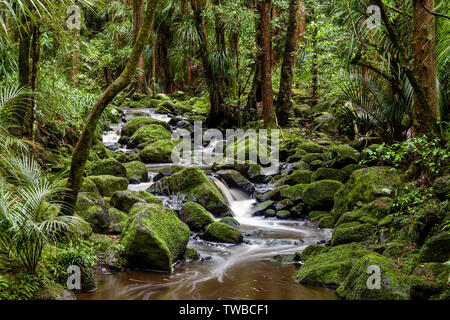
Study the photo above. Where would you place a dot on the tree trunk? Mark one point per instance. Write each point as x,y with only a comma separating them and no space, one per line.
24,78
81,151
314,70
284,107
217,114
138,16
424,67
266,65
35,59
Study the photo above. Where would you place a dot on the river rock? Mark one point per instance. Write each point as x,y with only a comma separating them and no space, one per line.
441,187
137,172
352,232
149,134
231,222
436,248
329,174
154,238
344,155
221,232
320,194
158,151
260,208
137,122
234,179
108,167
195,216
124,200
193,185
107,184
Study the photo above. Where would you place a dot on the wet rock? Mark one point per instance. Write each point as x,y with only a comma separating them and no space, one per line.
300,209
285,204
270,213
320,194
108,167
191,254
167,171
436,249
316,164
231,222
283,214
137,172
221,232
329,174
393,285
154,237
298,177
260,208
124,200
193,185
107,184
352,232
441,187
293,193
234,179
344,155
195,216
149,134
137,122
158,152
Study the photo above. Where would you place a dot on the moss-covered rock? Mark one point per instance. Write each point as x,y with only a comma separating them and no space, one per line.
352,232
429,279
329,174
191,254
107,184
293,193
260,208
313,250
311,157
283,214
87,186
326,222
441,187
124,200
195,216
117,221
221,232
393,285
298,177
98,217
231,222
193,185
149,134
158,152
108,167
301,165
137,172
344,155
100,151
234,179
365,185
320,194
331,267
137,122
284,204
436,248
167,171
154,237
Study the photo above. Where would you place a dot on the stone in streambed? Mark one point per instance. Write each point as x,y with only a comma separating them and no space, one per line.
137,122
108,167
195,216
320,194
124,200
137,172
221,232
234,179
107,184
329,174
149,134
352,232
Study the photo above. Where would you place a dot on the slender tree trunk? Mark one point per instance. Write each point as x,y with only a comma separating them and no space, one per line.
24,78
266,65
254,95
35,59
314,70
217,115
138,16
284,107
424,67
81,151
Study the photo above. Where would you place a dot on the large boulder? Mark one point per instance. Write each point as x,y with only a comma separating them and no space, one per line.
149,134
193,185
221,232
441,187
330,266
436,248
293,193
320,194
137,122
154,238
137,172
251,170
195,216
158,151
393,285
329,174
365,185
108,167
298,177
344,155
124,200
234,179
107,184
352,232
105,220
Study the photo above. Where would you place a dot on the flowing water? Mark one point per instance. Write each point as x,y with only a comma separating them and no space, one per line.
244,271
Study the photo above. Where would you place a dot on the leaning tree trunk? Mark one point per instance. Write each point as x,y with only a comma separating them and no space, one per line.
284,103
81,151
424,67
24,78
266,65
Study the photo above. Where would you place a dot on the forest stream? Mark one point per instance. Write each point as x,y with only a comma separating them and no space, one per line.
250,270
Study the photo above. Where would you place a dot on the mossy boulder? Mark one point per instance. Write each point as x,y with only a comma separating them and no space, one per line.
137,172
326,222
365,185
313,250
117,221
284,204
191,254
193,185
261,207
149,134
107,184
293,193
429,279
221,232
230,221
158,152
234,179
329,174
108,167
393,285
352,232
330,267
195,216
441,187
154,238
105,220
344,155
320,194
298,177
283,214
436,248
137,122
167,171
100,151
311,157
124,200
87,186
